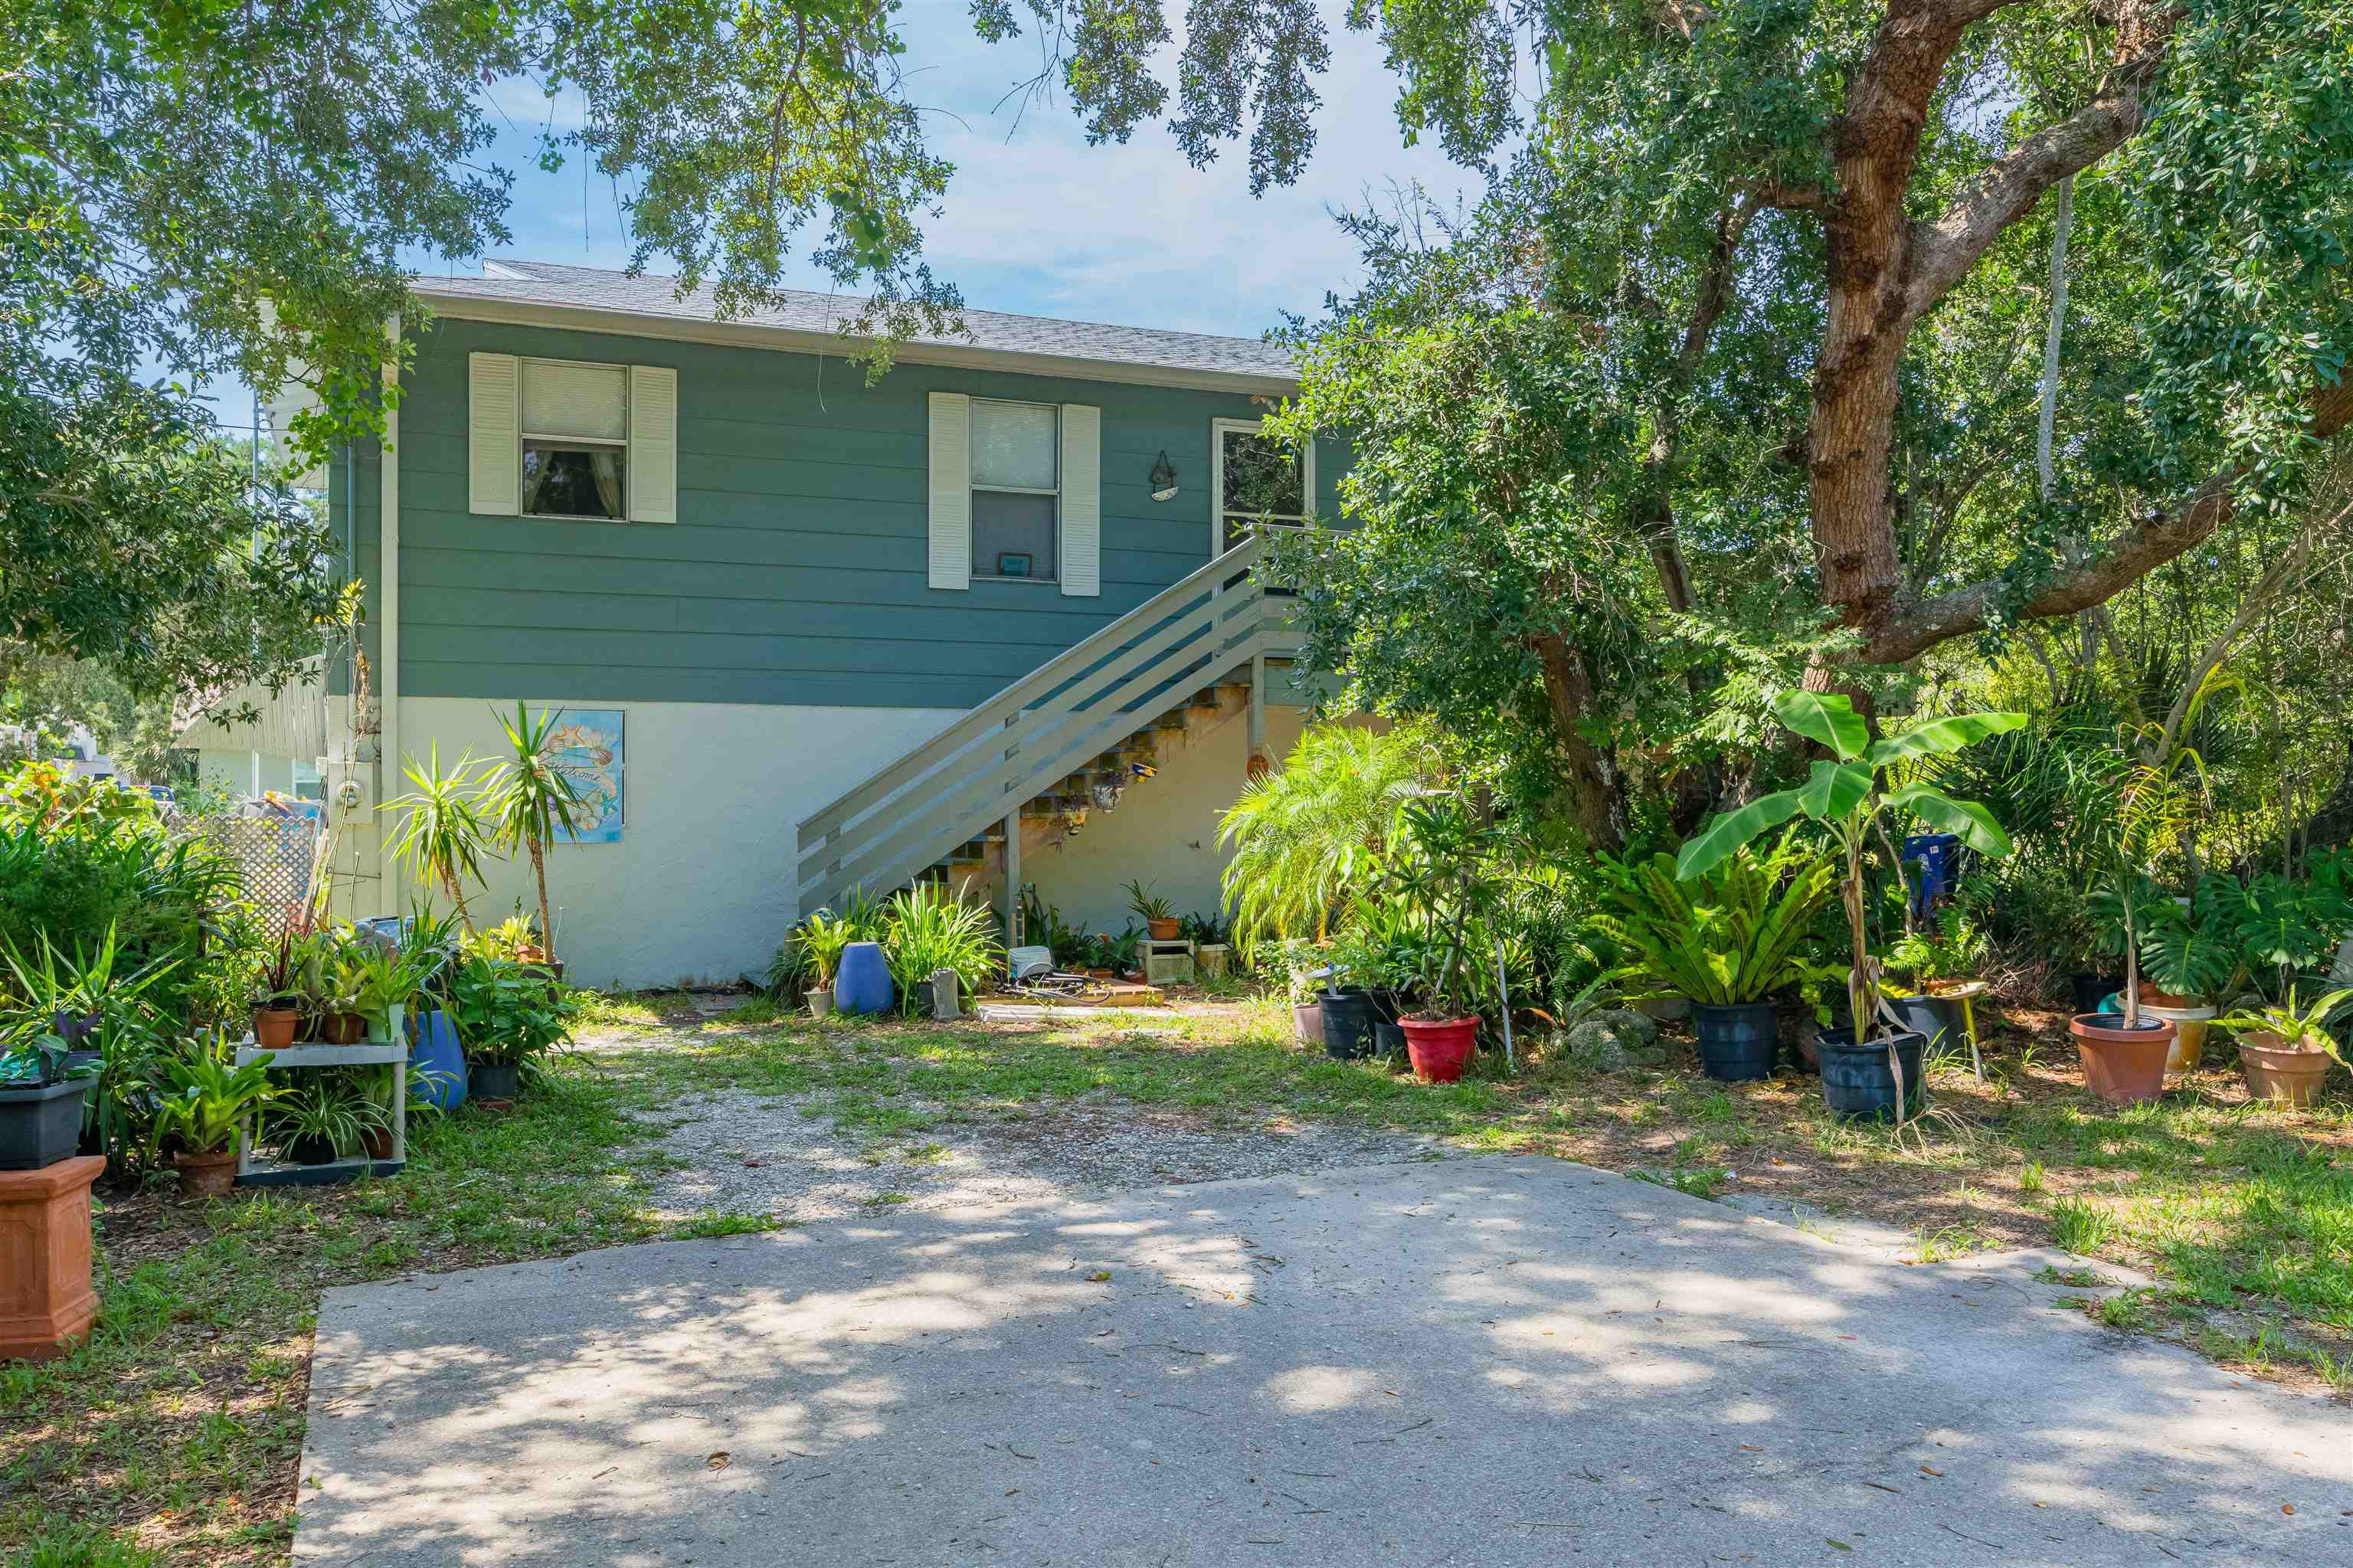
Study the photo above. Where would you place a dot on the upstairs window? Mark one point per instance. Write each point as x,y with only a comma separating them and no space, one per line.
558,439
1258,481
1017,486
576,439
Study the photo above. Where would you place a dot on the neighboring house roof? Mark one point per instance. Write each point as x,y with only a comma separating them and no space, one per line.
594,299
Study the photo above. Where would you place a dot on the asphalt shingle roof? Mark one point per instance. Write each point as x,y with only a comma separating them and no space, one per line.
593,288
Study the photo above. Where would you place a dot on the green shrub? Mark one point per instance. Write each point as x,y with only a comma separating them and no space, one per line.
928,929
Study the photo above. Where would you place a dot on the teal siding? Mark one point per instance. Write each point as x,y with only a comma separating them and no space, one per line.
796,573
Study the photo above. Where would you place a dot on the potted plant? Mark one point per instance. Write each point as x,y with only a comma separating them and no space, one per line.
507,1015
380,982
1154,910
318,1122
2123,1055
40,1101
277,998
1211,947
342,977
1921,966
528,798
1861,1076
1439,874
1728,941
2284,1051
2186,961
823,936
200,1103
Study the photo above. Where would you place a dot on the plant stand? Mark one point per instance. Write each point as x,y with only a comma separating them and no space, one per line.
255,1172
1167,962
45,1294
1967,994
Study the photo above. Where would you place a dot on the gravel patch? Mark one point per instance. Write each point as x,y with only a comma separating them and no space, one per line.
742,1152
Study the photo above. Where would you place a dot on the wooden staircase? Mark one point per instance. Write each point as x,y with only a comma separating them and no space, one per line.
1057,749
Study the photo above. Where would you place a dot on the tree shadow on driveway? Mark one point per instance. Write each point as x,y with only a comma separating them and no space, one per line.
1476,1360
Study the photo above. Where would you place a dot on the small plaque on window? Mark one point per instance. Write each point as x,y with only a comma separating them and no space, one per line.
1013,563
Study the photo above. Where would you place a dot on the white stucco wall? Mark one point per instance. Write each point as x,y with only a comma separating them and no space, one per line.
699,890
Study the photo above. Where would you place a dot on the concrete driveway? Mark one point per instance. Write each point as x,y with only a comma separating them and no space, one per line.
1476,1361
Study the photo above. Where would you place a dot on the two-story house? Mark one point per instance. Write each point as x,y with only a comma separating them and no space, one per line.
810,632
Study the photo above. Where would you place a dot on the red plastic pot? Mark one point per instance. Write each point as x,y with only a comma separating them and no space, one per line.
1438,1048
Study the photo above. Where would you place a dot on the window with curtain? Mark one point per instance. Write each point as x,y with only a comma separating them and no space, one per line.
576,439
1015,490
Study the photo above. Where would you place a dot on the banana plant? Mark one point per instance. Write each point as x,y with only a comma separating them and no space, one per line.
1857,795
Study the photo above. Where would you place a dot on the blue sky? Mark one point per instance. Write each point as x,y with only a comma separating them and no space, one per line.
1036,221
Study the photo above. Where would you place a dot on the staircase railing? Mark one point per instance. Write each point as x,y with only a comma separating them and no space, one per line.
1093,696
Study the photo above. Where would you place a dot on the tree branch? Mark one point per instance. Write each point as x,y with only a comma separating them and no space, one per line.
1945,247
2131,556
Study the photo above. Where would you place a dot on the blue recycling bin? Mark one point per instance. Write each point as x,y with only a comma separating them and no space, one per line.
862,983
437,1063
1928,868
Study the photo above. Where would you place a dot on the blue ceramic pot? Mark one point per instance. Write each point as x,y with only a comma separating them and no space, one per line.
862,984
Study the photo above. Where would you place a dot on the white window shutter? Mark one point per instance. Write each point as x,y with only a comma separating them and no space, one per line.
653,444
1081,500
951,506
493,439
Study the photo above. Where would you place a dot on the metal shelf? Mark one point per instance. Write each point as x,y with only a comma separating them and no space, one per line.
252,1172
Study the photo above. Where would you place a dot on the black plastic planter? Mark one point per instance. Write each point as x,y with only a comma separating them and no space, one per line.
1348,1020
1932,1018
1857,1082
309,1149
2091,990
40,1127
493,1080
1739,1040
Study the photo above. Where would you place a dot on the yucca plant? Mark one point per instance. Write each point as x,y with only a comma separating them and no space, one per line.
1735,934
442,835
930,930
528,798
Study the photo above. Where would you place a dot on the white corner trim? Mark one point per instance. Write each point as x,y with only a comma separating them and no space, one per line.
511,274
748,334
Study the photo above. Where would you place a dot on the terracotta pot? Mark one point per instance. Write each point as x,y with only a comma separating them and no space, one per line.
2279,1075
45,1296
273,1027
1167,930
2122,1066
206,1175
1438,1048
1307,1021
377,1142
343,1028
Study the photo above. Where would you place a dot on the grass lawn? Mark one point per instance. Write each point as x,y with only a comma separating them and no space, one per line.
173,1434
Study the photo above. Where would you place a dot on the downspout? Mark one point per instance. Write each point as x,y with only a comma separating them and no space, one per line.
387,660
